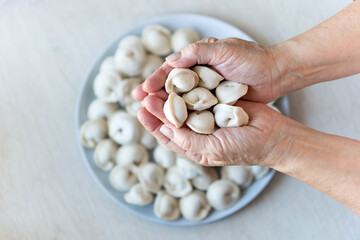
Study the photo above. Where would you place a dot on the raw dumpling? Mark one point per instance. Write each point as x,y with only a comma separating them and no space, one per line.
194,206
107,65
183,37
222,194
122,178
130,56
152,63
132,154
124,128
175,110
133,107
164,156
147,139
259,171
105,86
188,168
181,80
92,132
151,176
238,174
99,109
175,184
138,195
199,99
125,88
208,78
229,92
157,39
203,181
230,116
104,154
166,206
201,122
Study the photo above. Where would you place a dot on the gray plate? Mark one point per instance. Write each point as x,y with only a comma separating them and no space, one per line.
207,27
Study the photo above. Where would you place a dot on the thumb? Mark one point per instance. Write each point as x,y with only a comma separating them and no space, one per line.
202,53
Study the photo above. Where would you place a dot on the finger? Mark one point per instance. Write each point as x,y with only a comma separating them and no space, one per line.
208,40
156,80
195,53
155,106
138,93
258,112
160,94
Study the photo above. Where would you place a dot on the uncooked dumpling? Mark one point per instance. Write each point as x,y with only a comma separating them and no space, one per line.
124,128
125,88
201,122
105,86
194,206
164,156
203,181
166,206
122,178
132,154
130,56
199,99
107,65
188,168
222,194
92,132
147,139
181,80
99,109
157,39
259,171
175,184
138,195
183,37
230,116
133,107
229,92
151,176
175,110
152,63
104,154
208,78
240,175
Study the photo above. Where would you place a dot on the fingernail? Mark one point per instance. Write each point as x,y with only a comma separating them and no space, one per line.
173,57
167,131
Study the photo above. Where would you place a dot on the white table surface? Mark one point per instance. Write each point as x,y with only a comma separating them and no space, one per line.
47,46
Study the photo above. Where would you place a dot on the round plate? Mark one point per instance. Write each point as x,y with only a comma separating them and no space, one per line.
206,27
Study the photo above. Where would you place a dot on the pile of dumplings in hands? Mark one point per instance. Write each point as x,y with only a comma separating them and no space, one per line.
140,166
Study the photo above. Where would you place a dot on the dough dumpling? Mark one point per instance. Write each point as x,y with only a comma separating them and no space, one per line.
151,176
188,168
164,156
166,206
133,107
240,175
99,109
259,171
107,65
203,181
222,194
201,122
152,63
92,132
124,128
132,154
183,37
125,88
148,140
175,184
130,56
194,206
181,80
175,110
230,116
106,85
104,154
208,78
157,39
199,99
139,195
229,92
122,178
